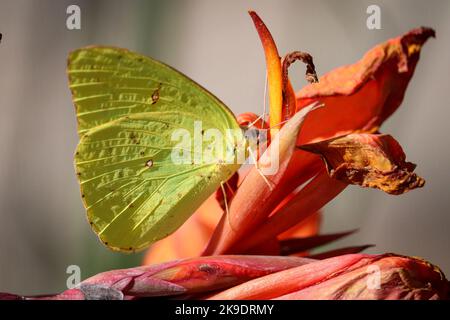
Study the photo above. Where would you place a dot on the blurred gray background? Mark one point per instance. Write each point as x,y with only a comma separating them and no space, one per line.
42,221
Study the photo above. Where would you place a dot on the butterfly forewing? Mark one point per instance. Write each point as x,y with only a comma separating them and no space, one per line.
109,83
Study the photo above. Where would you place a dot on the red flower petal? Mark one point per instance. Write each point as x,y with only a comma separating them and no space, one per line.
312,197
245,211
197,275
288,281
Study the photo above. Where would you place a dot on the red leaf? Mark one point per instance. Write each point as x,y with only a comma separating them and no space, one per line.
296,245
340,252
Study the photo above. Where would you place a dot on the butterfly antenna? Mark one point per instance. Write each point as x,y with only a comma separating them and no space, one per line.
255,121
230,188
259,171
278,124
265,101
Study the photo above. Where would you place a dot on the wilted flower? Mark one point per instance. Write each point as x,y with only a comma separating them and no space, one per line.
369,160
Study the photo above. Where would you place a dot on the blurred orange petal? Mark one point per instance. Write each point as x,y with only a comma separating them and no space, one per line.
307,228
198,230
308,200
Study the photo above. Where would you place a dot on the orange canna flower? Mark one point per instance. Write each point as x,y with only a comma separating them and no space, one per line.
334,119
357,99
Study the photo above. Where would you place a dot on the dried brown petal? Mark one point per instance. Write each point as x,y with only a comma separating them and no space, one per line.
369,160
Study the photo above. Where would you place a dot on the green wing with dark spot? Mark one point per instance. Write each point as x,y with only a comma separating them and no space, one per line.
128,106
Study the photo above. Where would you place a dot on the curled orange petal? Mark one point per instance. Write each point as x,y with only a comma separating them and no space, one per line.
361,96
249,119
308,227
274,76
369,160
